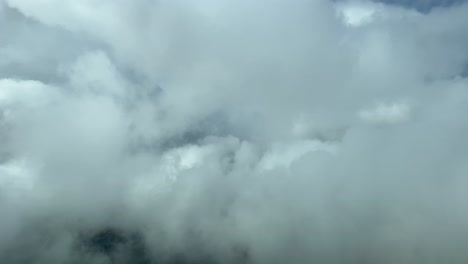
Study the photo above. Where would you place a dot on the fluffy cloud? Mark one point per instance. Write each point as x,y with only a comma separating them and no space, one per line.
232,132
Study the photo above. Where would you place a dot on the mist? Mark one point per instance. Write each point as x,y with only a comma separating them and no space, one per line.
233,131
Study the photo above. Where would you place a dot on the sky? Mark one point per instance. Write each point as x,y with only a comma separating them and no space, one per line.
233,131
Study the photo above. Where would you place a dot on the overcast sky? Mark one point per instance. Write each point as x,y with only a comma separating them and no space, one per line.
233,131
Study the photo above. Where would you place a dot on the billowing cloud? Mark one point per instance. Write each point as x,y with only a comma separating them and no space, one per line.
231,131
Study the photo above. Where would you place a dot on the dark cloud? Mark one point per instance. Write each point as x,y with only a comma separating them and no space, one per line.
423,5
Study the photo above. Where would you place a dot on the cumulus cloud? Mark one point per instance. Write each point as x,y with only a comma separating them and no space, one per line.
232,132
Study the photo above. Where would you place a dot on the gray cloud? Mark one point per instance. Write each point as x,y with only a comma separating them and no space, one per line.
232,132
424,5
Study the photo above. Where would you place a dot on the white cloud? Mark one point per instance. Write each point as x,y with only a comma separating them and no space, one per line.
23,92
17,177
358,14
282,155
265,142
393,113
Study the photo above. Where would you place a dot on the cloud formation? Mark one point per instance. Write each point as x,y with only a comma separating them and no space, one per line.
232,131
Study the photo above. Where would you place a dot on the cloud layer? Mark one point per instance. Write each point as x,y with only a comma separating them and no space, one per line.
230,131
